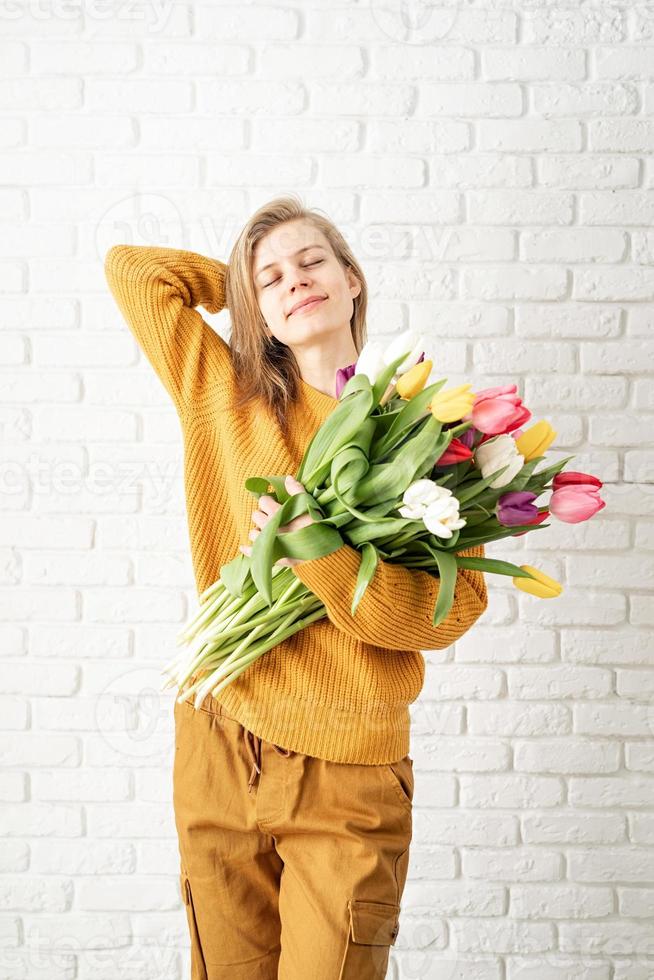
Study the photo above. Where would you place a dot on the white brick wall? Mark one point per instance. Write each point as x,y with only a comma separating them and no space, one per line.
491,164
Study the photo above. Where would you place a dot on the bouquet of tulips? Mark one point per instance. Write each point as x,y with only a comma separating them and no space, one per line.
403,471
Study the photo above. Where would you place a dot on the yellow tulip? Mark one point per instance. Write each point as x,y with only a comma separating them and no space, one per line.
452,404
541,585
535,440
413,381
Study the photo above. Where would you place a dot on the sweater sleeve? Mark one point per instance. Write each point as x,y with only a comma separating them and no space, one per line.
397,608
157,290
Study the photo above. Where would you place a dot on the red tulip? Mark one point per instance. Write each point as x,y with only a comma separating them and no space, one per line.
456,452
539,520
573,477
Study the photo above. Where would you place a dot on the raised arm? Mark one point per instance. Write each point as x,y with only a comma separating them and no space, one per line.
397,608
157,290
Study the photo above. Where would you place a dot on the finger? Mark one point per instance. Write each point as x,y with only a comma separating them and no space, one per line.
303,520
267,504
293,485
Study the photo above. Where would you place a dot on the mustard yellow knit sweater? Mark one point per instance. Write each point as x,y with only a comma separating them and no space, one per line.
340,688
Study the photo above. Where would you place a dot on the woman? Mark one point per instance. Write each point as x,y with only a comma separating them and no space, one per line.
293,789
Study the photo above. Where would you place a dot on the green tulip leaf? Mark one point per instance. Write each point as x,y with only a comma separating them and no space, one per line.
369,559
447,572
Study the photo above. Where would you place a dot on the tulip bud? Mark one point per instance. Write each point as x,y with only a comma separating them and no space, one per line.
495,453
409,341
541,585
413,382
371,361
452,404
535,440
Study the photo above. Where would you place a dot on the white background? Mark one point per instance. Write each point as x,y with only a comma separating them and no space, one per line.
491,165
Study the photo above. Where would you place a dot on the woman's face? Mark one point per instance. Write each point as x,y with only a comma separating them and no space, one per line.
293,262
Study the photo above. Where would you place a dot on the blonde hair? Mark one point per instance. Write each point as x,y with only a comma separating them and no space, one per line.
264,367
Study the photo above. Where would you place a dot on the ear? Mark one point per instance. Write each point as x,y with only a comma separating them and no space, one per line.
353,283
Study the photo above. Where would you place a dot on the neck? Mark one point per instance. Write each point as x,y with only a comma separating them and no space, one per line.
319,365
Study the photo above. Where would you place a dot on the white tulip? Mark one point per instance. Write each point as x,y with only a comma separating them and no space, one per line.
375,356
371,360
412,513
442,517
408,340
435,505
495,453
420,494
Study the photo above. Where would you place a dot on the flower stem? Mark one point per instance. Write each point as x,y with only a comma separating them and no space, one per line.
242,657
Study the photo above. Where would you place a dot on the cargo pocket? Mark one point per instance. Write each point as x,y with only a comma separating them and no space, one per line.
198,965
401,775
373,928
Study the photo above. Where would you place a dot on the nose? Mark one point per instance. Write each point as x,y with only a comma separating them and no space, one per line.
301,278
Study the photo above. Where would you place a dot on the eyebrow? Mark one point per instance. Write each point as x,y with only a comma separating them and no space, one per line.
299,252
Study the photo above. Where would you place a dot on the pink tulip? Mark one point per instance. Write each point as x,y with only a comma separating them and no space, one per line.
498,410
575,503
576,496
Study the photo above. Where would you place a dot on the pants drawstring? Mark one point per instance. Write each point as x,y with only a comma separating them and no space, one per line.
253,746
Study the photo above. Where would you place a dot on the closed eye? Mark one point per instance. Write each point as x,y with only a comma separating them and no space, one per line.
307,266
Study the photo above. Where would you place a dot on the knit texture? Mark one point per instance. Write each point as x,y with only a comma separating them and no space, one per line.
339,689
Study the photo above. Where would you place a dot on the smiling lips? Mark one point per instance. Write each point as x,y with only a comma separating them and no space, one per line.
307,304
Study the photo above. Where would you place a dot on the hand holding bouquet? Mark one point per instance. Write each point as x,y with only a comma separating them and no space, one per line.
404,473
267,506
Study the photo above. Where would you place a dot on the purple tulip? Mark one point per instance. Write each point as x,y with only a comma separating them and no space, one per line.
343,375
467,437
516,507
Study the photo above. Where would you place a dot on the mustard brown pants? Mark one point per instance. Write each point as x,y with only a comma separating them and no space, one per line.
291,867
